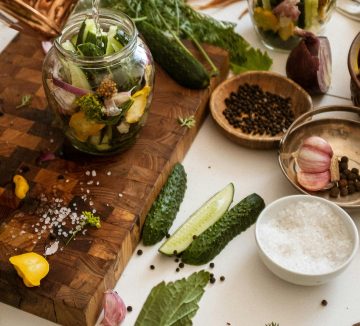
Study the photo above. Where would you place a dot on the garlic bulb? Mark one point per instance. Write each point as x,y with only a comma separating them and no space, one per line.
314,159
314,155
313,181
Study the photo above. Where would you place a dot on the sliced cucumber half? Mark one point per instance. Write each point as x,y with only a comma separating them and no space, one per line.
199,221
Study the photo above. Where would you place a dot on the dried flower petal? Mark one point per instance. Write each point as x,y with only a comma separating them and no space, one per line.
114,309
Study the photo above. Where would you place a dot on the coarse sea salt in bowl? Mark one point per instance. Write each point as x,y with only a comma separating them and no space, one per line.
306,240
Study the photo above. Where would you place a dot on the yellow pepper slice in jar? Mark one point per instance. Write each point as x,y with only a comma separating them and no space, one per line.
83,127
31,267
21,186
138,107
265,19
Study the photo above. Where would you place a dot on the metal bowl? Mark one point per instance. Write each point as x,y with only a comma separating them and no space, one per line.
340,126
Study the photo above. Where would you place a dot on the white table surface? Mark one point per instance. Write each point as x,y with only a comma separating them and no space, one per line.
251,295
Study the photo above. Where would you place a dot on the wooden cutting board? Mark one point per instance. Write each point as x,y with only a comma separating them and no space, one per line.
122,191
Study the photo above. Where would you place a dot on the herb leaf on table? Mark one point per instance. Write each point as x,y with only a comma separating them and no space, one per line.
174,303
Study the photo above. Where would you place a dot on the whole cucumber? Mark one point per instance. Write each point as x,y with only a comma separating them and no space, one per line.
211,242
174,59
164,209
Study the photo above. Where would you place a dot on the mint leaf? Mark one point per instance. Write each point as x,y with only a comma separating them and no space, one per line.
175,303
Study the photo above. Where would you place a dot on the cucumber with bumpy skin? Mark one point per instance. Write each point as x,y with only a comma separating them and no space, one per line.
211,242
164,209
199,221
173,58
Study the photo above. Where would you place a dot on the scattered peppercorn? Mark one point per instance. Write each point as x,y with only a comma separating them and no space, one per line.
344,159
212,265
343,183
175,252
344,192
167,235
357,185
343,166
24,169
181,265
194,236
324,302
211,275
222,278
351,189
257,112
212,280
177,260
152,267
129,308
334,192
355,171
139,252
177,269
52,236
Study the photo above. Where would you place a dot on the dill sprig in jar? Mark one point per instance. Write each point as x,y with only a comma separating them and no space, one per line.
99,86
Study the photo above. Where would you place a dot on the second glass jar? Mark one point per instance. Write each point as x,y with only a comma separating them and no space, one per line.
276,21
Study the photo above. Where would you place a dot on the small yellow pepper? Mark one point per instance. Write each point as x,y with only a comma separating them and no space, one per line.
21,186
266,20
31,267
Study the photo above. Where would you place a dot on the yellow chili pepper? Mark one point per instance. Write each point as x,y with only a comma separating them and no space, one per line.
31,267
21,186
265,19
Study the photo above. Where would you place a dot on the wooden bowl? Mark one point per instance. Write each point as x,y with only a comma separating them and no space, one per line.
268,81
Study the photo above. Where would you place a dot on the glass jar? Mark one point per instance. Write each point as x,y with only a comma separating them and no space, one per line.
100,102
276,21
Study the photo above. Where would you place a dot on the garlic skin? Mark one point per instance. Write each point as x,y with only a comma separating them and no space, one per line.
114,309
314,155
313,181
319,143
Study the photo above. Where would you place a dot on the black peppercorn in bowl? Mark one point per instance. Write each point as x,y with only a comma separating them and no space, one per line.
339,126
255,108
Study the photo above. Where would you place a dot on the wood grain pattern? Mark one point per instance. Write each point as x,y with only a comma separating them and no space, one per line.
80,272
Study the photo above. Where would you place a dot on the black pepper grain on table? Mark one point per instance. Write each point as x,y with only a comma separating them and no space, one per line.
254,111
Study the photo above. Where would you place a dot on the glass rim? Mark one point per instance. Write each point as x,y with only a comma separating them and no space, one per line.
118,17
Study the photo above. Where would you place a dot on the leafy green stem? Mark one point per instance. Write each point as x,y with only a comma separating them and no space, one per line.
176,38
214,71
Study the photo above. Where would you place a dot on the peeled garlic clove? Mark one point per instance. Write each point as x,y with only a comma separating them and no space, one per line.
313,181
318,143
313,161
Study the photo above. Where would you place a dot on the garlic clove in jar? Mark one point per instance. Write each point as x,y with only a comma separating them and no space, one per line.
313,181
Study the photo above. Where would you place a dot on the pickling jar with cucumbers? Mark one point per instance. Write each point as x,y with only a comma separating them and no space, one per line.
278,22
98,79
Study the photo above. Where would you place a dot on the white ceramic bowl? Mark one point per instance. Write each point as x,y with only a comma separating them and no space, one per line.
291,275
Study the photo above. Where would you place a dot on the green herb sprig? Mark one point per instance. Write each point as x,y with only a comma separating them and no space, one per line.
25,101
188,122
88,219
